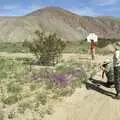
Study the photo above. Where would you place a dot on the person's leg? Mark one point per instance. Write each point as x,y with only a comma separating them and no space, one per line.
111,85
93,54
117,81
110,79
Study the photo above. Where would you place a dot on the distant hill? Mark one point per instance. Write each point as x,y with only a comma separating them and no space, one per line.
67,25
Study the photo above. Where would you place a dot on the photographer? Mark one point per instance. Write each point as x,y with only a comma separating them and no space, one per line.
108,71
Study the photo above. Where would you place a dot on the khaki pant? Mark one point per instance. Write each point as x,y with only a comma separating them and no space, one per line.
117,79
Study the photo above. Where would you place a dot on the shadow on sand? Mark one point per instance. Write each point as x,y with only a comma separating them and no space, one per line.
96,85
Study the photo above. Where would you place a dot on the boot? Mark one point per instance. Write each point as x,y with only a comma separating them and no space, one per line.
110,85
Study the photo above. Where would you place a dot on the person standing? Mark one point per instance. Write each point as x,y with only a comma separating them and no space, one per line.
92,49
92,38
116,63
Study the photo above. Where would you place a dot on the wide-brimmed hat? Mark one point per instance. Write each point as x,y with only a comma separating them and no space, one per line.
106,61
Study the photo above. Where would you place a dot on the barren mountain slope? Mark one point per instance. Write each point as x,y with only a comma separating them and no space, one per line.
67,25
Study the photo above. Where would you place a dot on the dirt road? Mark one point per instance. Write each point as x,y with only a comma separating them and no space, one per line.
94,103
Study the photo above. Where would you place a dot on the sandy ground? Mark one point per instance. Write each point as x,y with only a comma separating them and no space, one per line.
94,103
65,56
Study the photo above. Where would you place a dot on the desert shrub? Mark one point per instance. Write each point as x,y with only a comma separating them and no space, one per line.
11,99
12,68
64,74
32,87
13,87
74,68
59,92
65,78
23,106
11,115
47,49
49,110
42,114
42,110
102,42
42,98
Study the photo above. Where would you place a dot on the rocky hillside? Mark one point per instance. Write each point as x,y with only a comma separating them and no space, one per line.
67,25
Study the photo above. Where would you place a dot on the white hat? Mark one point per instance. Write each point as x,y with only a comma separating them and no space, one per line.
92,36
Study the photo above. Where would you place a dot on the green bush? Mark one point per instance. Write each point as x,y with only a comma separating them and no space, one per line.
11,115
47,49
102,42
42,98
11,99
13,87
23,106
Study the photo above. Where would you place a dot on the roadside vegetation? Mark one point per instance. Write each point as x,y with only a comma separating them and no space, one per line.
28,91
71,46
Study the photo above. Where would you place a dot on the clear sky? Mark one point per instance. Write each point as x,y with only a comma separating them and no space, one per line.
81,7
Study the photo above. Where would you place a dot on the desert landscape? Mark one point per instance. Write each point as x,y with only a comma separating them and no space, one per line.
31,90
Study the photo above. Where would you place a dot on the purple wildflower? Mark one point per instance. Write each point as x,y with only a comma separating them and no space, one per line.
60,78
64,78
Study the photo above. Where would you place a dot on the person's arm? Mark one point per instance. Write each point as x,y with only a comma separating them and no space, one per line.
103,73
117,56
103,70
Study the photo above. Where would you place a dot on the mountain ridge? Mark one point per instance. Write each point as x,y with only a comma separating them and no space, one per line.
67,25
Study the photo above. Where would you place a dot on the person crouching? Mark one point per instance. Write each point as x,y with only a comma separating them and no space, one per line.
108,71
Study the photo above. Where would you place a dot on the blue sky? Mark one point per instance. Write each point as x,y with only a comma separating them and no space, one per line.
81,7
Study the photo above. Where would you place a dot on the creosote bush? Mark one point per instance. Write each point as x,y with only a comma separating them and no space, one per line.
47,49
